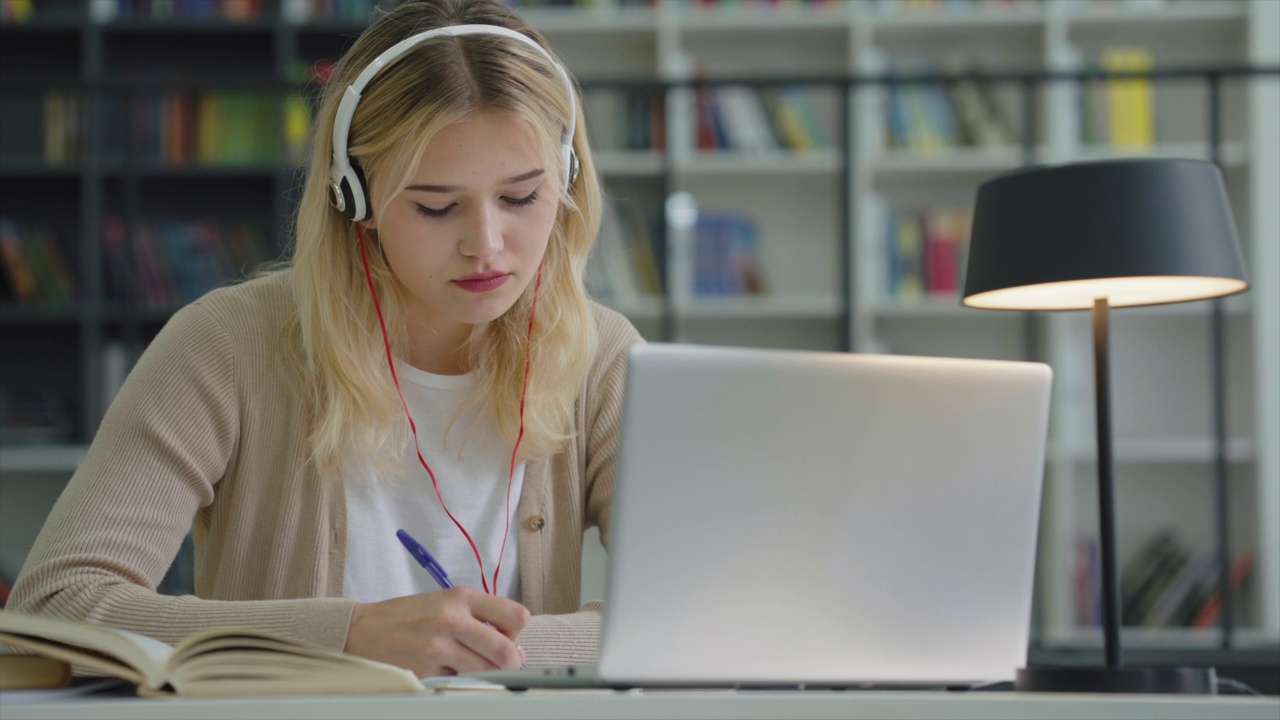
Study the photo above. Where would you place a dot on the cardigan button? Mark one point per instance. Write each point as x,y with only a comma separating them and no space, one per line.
536,523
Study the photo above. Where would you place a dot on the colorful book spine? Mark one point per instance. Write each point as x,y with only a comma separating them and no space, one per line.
793,119
17,11
930,118
1130,101
924,252
164,264
1088,580
1211,611
725,255
297,126
741,118
62,127
617,119
210,128
1164,584
36,268
168,10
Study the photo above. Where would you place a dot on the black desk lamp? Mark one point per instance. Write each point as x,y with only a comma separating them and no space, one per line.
1098,235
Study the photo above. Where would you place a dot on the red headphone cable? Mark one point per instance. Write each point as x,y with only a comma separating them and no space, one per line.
414,428
524,390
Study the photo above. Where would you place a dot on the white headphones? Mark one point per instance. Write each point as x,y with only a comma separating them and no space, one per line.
347,187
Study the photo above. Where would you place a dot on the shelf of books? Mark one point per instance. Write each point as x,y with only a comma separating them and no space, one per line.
752,198
924,149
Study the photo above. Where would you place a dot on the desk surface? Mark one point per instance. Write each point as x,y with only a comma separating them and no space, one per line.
746,705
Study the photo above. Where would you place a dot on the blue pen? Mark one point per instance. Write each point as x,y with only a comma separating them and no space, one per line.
424,559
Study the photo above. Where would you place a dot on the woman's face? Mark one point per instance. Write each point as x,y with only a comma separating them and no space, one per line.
466,236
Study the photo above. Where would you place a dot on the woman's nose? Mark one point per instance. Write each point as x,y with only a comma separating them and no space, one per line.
483,235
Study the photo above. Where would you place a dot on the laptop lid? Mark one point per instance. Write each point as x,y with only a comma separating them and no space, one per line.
823,518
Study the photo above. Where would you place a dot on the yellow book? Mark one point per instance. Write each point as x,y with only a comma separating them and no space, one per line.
1144,109
208,141
297,124
910,252
1131,111
21,10
55,128
790,124
223,661
648,276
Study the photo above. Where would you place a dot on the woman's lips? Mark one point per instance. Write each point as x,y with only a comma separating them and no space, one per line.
482,282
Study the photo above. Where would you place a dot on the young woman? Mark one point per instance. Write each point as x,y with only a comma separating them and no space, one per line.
428,361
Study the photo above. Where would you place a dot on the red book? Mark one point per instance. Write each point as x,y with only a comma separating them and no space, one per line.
657,122
1212,608
941,252
706,123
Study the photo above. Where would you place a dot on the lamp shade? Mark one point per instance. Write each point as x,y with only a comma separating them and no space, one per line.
1135,231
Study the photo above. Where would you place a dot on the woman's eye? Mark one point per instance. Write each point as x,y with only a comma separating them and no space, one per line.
525,201
522,202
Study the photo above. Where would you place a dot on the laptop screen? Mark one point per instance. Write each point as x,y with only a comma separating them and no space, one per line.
791,516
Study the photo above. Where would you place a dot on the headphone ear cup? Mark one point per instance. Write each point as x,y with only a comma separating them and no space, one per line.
361,190
571,168
348,203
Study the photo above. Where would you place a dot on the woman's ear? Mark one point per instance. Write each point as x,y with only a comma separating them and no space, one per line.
370,224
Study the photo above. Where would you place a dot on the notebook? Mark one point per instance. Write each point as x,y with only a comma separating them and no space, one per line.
794,518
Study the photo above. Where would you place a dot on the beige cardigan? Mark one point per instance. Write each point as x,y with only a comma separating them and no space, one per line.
205,436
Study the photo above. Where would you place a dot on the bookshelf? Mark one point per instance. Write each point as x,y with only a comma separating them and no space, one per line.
819,216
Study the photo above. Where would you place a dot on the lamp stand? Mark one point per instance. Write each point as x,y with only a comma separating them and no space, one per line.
1114,677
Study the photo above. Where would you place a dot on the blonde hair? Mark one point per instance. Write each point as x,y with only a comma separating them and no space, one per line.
352,404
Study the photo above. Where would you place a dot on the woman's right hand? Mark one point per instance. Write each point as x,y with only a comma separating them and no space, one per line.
446,632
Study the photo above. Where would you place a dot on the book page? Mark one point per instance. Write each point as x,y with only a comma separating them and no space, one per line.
237,661
121,653
314,683
224,639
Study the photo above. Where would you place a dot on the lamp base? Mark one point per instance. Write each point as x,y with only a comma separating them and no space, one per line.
1180,680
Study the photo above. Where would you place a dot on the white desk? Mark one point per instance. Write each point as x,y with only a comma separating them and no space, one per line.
666,704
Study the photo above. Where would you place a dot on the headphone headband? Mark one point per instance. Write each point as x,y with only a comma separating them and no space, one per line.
348,192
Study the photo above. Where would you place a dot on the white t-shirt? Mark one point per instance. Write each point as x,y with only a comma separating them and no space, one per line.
473,481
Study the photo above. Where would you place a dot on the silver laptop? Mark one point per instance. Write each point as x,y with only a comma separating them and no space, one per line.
792,518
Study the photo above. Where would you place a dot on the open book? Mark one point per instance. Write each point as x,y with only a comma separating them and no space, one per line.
217,662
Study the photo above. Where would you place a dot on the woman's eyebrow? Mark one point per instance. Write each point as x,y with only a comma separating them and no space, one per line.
455,188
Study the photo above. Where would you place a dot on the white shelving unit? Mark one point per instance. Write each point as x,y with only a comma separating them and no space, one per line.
1161,356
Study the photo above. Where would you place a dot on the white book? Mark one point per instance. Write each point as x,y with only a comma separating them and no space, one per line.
296,12
744,116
